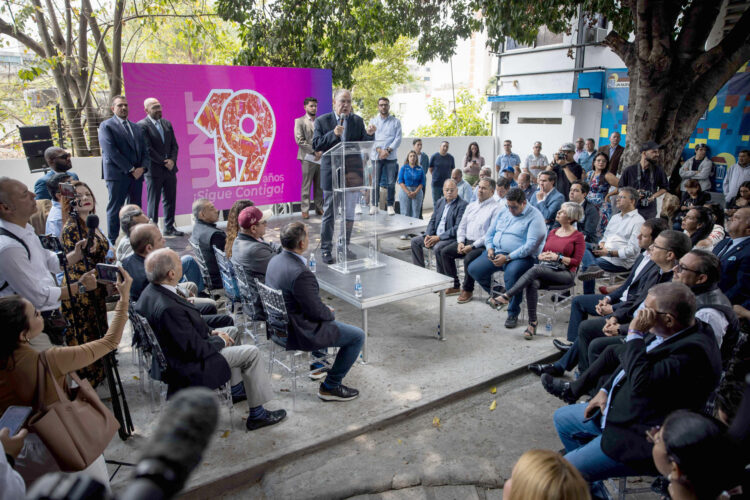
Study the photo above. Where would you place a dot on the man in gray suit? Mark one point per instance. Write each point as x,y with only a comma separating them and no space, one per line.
303,135
249,250
341,125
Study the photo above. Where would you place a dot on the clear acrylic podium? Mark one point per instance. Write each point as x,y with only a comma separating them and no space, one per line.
353,195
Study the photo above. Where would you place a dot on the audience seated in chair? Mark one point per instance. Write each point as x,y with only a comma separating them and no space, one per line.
547,199
544,475
196,354
618,247
558,264
669,362
312,324
469,242
233,227
513,241
734,254
250,250
442,229
206,236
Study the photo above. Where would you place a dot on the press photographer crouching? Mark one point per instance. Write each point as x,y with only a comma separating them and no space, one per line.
27,269
20,385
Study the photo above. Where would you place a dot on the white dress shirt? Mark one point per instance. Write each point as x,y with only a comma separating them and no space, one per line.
622,235
477,218
31,278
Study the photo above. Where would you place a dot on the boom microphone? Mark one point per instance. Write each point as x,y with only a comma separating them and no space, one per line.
177,444
92,223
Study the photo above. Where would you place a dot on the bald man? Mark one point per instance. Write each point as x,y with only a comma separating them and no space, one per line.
161,178
58,161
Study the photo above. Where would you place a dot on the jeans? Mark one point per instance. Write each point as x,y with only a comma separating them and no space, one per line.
588,261
387,172
580,308
482,269
437,193
582,441
410,206
351,339
191,272
537,277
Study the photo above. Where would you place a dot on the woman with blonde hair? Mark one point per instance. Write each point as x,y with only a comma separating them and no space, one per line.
233,227
545,475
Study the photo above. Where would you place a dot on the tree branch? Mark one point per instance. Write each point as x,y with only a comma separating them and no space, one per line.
11,31
115,83
695,30
730,44
621,47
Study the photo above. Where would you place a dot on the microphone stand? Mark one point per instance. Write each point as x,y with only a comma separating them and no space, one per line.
120,408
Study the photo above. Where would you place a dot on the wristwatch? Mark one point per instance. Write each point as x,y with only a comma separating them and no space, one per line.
81,287
389,150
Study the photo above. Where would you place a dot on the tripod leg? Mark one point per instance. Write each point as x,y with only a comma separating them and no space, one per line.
126,410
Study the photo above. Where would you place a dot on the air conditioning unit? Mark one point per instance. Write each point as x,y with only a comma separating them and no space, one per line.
596,35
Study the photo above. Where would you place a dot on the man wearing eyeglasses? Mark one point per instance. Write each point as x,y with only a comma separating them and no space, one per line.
58,161
700,270
668,361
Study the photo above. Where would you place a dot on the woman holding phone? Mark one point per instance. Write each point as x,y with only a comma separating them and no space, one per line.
88,310
472,164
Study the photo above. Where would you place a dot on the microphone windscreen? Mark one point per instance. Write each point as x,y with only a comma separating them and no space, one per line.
92,221
184,430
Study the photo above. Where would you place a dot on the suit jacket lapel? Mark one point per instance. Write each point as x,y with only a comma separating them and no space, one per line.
175,297
155,131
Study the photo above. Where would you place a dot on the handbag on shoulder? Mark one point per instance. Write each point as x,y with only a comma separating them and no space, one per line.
75,432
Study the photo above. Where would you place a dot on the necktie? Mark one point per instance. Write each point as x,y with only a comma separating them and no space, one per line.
127,127
160,129
725,249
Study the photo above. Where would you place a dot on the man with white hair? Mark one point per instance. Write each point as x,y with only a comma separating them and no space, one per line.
162,176
196,354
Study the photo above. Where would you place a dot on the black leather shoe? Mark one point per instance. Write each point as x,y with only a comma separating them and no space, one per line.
559,388
562,346
171,231
350,255
511,321
592,273
542,368
272,417
327,257
340,393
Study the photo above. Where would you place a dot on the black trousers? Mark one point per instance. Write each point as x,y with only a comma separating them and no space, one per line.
155,188
450,254
593,378
535,278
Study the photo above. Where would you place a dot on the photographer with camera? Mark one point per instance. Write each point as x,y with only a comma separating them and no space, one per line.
647,178
26,268
566,168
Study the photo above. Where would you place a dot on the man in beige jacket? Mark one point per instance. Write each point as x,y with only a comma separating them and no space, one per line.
303,134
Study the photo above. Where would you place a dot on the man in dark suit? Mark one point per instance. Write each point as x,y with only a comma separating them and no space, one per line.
330,129
442,228
614,151
161,177
312,324
196,354
642,275
669,362
734,254
206,236
125,160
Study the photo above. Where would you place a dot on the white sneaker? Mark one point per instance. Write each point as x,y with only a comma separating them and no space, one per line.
404,236
391,211
357,210
373,210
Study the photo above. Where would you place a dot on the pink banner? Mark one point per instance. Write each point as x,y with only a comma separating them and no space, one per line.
234,126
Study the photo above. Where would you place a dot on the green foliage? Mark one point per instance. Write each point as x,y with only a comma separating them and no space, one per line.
468,120
29,74
379,77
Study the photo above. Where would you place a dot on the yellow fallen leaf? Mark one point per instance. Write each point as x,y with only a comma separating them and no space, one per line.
225,434
436,422
493,406
136,377
493,390
400,442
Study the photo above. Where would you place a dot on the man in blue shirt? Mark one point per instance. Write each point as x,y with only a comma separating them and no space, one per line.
464,188
513,241
54,218
510,174
586,158
508,159
548,199
58,160
441,166
387,141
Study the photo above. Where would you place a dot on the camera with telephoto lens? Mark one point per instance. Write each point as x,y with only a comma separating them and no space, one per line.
51,243
562,155
643,196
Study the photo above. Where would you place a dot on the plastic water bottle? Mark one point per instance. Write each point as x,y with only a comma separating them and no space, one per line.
358,287
548,326
313,264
